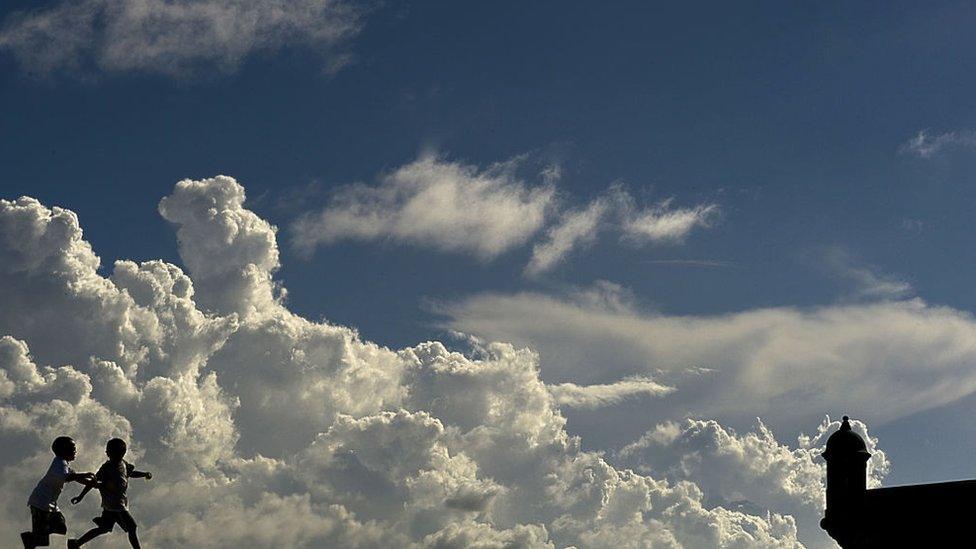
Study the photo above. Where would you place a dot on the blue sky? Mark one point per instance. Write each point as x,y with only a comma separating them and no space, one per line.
794,121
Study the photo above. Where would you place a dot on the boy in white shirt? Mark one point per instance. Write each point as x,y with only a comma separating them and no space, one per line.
46,517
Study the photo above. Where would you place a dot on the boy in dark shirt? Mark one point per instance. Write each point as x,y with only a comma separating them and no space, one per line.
113,481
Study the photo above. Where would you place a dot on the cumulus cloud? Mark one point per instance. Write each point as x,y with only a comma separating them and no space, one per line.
894,358
926,145
266,429
174,37
231,252
751,471
434,203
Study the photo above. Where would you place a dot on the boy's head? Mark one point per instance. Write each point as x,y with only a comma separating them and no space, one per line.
115,449
64,448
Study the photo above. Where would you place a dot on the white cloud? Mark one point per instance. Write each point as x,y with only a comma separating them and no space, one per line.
271,429
477,535
867,281
751,471
174,37
661,223
455,207
925,145
571,395
893,358
434,203
231,252
574,229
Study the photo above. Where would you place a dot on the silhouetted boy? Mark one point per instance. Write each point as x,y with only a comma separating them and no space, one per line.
46,517
113,481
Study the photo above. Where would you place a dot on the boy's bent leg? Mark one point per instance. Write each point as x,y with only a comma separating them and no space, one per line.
56,524
40,535
127,523
89,535
105,524
28,539
134,539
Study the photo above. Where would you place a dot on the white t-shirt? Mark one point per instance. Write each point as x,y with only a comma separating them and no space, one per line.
45,495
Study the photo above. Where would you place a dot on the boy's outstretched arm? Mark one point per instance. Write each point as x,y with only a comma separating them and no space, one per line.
77,499
79,477
141,474
88,479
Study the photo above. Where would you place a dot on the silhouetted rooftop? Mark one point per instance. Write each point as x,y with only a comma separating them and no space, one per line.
920,515
845,442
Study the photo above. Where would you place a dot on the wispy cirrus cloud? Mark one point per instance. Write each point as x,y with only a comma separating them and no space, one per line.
893,357
175,37
662,223
867,281
616,209
571,395
457,207
575,229
434,203
926,145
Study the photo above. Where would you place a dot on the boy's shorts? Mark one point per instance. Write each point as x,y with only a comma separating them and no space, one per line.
44,523
109,519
